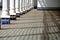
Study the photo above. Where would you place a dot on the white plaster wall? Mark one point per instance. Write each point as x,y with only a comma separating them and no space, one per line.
0,2
48,3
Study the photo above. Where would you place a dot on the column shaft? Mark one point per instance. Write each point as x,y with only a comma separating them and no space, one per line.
21,6
24,11
26,6
12,10
5,18
31,4
5,8
17,8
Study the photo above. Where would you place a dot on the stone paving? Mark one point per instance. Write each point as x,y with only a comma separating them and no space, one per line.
34,25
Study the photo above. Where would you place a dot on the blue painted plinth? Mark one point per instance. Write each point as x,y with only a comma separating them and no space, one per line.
5,20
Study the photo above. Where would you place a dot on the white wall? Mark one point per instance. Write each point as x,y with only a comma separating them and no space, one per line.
0,0
48,3
0,3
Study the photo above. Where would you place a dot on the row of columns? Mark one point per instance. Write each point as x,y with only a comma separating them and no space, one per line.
11,9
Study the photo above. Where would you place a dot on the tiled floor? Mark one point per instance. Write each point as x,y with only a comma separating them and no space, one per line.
34,25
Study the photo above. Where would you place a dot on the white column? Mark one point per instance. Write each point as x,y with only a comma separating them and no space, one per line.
17,8
12,10
28,4
31,3
12,7
5,9
21,6
25,4
5,17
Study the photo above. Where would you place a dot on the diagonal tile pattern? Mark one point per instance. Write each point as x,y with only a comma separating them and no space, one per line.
34,25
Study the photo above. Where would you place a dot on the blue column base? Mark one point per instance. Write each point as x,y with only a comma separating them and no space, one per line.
17,14
5,20
12,17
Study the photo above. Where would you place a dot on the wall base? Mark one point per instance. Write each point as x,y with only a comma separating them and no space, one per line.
48,8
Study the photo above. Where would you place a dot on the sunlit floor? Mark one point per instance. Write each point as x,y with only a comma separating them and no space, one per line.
34,25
